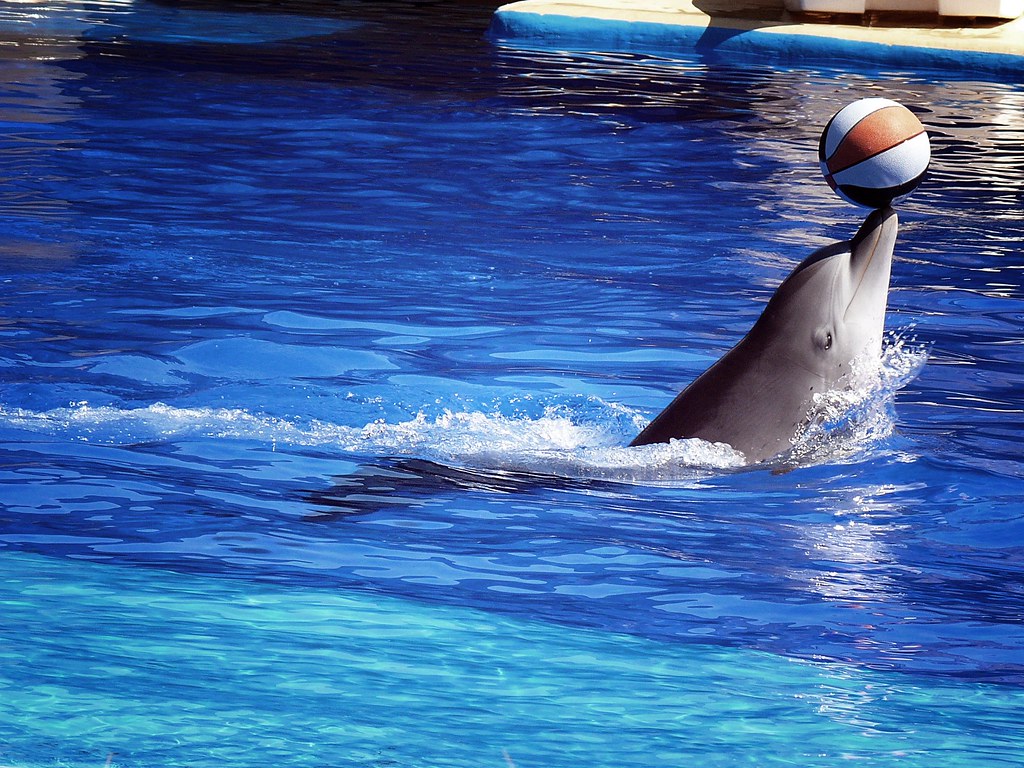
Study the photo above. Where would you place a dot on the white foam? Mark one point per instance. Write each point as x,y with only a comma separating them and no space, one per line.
580,437
556,443
848,424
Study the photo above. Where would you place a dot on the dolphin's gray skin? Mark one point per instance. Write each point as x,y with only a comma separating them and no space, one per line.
830,310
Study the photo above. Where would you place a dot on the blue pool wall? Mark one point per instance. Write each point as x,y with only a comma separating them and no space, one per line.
558,29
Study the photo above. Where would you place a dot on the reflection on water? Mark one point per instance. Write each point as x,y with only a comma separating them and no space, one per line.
35,110
855,558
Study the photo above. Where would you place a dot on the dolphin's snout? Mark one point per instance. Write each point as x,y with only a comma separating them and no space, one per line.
871,253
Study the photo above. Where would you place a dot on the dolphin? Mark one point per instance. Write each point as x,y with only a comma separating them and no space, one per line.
829,311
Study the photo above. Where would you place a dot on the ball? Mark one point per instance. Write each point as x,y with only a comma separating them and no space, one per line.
874,152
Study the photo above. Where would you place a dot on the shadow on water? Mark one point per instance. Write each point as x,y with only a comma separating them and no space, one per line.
431,49
720,12
407,483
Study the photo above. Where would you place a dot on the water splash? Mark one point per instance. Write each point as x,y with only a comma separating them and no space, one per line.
558,442
578,437
850,424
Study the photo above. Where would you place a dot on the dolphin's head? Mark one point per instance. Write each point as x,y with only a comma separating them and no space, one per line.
831,309
826,314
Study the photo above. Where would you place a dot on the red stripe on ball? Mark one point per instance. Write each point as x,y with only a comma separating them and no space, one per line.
881,130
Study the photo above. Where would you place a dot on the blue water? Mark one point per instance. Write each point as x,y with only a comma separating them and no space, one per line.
323,327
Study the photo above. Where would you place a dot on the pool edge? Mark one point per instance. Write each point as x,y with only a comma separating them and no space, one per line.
550,22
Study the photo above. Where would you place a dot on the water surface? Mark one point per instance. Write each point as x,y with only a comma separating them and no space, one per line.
324,326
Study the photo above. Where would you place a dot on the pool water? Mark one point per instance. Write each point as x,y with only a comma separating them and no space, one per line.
324,327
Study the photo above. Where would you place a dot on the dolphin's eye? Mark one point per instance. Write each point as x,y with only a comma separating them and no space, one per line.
828,341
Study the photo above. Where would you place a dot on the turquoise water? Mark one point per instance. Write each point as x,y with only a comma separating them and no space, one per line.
166,669
323,328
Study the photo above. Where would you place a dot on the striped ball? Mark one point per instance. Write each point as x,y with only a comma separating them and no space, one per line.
874,152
